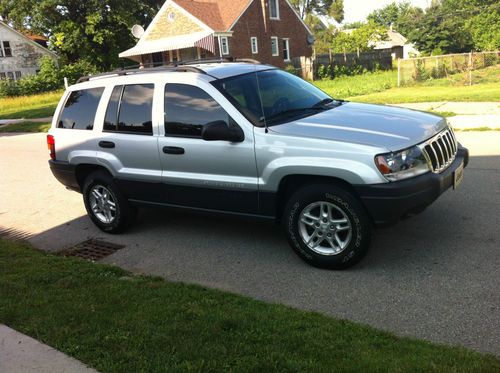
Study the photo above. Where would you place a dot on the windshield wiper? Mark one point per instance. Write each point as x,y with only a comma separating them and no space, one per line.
286,113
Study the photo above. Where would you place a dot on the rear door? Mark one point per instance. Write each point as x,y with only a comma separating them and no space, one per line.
215,175
128,144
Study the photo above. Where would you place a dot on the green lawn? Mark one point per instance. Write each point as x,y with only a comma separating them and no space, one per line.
349,86
25,127
475,93
380,87
29,107
116,322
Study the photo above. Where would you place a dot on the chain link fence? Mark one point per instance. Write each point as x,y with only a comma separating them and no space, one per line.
456,67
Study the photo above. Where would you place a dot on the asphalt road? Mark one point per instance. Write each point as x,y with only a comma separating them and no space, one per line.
435,276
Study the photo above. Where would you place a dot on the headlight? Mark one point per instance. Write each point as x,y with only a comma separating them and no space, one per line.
402,165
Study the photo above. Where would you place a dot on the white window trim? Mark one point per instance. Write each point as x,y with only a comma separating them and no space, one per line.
287,41
256,51
224,52
275,38
277,10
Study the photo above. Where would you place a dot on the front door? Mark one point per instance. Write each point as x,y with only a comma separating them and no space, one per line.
214,175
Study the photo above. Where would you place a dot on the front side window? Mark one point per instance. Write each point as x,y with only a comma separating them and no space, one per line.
271,97
130,109
80,109
224,45
188,109
274,46
274,10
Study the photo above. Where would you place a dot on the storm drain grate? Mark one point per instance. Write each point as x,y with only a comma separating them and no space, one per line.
92,250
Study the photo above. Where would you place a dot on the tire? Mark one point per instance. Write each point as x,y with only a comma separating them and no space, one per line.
108,218
337,243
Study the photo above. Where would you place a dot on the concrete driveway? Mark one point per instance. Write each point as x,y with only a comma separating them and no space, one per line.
435,276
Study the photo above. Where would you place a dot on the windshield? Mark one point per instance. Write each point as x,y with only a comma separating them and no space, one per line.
274,96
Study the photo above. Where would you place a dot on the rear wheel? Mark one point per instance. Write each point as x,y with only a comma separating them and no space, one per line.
327,226
106,206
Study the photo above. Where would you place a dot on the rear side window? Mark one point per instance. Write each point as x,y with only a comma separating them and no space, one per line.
130,109
80,109
188,109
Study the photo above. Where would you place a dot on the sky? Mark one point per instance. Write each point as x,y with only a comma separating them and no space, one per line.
357,10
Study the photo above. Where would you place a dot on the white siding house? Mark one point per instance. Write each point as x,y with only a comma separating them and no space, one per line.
19,54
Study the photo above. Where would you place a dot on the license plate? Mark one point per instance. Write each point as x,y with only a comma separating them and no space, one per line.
458,175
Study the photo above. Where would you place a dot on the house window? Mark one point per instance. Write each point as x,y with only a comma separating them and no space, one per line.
274,9
224,45
10,75
286,50
18,75
274,46
3,76
5,49
253,43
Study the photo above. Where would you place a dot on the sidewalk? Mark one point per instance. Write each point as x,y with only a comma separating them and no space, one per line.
20,353
37,120
469,115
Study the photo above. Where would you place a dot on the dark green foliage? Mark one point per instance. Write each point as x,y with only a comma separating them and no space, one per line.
94,31
446,26
331,8
50,78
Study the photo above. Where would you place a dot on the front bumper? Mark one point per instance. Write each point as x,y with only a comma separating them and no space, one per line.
65,174
389,202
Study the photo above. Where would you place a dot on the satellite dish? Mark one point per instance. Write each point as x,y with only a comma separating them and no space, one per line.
310,39
137,31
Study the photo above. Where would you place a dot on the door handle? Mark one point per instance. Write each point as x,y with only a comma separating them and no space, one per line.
173,150
106,144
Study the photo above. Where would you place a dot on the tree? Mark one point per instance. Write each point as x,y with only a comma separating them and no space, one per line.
359,39
330,8
91,30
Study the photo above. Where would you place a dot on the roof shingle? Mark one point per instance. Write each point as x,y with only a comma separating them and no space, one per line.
219,15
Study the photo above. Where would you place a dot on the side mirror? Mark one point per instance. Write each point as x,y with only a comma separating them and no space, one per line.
220,130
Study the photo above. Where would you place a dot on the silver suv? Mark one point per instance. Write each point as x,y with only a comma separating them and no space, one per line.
250,140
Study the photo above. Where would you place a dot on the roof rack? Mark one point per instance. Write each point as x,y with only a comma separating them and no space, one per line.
130,70
180,66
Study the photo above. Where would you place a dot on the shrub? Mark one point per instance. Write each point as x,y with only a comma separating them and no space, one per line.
291,69
50,78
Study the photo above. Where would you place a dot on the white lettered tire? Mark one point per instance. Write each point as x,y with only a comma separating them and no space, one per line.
327,226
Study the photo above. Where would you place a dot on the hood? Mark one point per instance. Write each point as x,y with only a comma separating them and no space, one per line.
376,125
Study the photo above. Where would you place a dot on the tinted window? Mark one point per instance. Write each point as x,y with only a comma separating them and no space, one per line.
80,108
111,119
188,109
133,114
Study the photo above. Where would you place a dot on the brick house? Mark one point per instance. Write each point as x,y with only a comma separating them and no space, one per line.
20,53
270,31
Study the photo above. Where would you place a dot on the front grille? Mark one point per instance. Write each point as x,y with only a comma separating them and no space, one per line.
441,150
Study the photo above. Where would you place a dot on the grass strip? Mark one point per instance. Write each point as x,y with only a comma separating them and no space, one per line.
25,127
28,107
117,322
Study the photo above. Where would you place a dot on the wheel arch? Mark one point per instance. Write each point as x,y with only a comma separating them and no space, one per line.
85,169
289,184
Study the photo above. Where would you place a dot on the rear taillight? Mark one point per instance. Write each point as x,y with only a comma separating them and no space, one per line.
51,144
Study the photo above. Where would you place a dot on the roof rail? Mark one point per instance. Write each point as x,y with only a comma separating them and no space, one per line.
131,70
181,66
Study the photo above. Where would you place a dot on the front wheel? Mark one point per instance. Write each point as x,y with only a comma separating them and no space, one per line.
327,226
